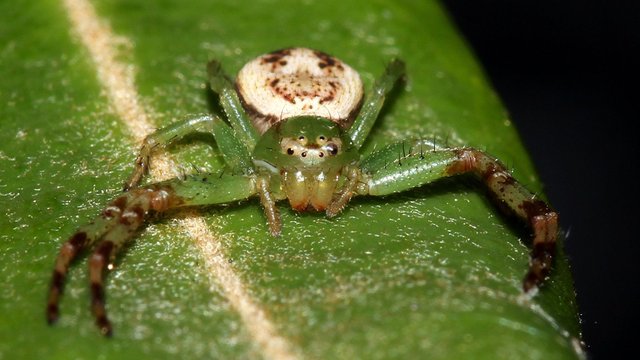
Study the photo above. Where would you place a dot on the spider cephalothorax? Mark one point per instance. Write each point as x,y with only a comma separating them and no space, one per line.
297,119
308,154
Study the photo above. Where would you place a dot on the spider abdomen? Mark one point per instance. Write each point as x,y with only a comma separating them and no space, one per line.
299,82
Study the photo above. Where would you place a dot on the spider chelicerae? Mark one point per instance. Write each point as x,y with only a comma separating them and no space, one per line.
297,119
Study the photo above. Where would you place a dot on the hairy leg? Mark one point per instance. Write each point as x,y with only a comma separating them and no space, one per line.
84,237
123,216
126,210
405,165
234,153
511,195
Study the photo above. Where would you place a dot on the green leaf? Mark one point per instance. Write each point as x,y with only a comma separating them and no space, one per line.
434,272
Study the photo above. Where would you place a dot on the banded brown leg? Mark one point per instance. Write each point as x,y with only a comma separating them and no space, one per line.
402,166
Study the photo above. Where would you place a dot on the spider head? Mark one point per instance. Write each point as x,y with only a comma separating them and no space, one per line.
308,152
306,143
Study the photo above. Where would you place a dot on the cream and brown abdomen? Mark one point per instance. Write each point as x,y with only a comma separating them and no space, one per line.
298,82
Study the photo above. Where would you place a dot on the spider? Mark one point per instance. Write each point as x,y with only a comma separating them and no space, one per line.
297,119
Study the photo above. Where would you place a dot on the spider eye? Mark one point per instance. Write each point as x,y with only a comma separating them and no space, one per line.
302,140
333,149
321,140
290,151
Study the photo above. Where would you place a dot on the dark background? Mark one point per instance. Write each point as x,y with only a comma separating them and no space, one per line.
566,72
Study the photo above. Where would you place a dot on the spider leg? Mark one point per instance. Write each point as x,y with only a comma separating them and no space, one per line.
268,201
234,153
123,216
85,236
361,127
222,84
405,165
346,192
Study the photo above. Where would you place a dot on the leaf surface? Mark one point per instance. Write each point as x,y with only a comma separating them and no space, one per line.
435,271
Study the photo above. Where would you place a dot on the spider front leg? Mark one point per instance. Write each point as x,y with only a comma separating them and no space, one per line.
221,83
402,166
121,218
235,154
361,127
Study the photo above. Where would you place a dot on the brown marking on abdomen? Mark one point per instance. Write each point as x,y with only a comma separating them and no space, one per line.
275,56
261,121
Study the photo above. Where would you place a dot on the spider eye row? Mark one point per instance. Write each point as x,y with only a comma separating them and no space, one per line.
302,147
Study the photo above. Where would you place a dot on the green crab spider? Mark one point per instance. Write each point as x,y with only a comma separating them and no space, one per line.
297,119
